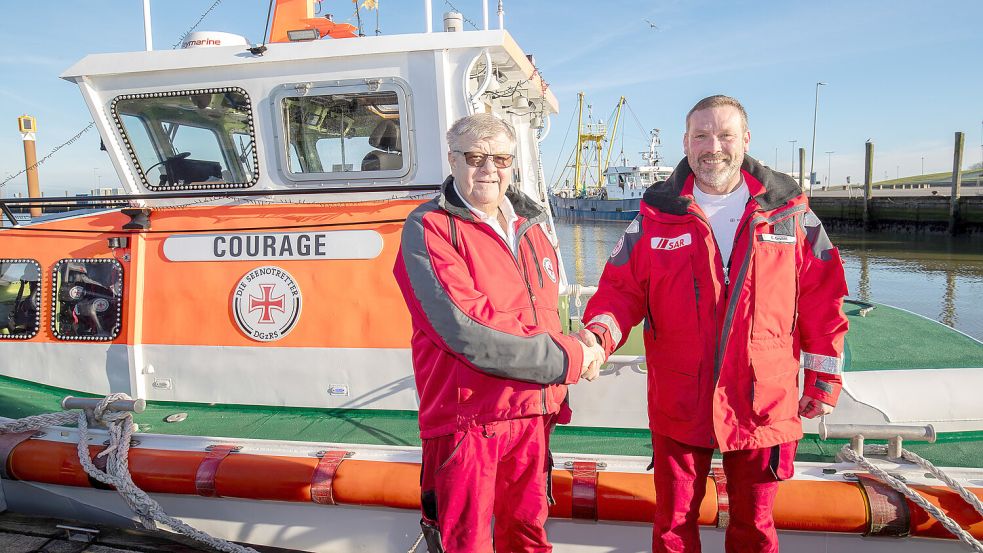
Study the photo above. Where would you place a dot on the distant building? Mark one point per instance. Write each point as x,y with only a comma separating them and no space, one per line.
105,192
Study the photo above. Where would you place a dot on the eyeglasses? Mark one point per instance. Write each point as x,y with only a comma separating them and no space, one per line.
478,159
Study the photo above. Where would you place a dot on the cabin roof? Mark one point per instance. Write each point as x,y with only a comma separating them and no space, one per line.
500,41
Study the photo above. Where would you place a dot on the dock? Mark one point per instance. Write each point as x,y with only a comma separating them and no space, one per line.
29,534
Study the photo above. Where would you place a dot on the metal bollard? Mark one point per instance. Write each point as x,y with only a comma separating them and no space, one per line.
89,404
894,434
134,405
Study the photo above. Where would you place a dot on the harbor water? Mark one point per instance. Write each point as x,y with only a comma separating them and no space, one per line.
934,275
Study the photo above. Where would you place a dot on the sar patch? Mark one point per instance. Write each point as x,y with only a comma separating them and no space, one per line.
548,269
674,243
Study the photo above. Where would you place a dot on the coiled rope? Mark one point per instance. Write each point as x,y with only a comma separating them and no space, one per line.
117,474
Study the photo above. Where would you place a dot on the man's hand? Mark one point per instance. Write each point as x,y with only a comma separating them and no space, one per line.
594,355
811,408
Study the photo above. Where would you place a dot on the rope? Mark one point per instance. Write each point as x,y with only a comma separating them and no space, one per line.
416,544
51,153
195,26
117,474
949,524
969,497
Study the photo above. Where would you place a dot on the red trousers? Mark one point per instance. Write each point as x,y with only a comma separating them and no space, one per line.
752,482
499,469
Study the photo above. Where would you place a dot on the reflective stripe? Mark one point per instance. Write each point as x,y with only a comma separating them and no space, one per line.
822,363
607,321
534,358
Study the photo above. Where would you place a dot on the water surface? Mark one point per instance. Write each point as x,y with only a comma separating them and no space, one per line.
934,275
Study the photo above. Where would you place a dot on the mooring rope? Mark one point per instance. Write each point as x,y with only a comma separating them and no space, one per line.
949,524
117,474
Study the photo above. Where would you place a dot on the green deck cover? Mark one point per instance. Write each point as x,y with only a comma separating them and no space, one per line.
20,398
886,338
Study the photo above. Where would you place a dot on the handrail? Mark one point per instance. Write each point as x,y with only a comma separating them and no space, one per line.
119,198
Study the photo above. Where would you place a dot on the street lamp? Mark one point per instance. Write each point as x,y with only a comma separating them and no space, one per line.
792,170
815,115
829,178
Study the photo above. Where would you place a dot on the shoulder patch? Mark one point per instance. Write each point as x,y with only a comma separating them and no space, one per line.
622,250
548,269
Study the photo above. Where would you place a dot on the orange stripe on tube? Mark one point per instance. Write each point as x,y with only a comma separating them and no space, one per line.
922,524
49,462
628,497
377,483
821,507
801,505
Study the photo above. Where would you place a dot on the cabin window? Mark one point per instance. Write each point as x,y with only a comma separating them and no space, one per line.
190,139
348,131
87,299
20,298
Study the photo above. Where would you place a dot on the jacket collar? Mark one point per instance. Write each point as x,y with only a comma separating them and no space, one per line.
769,188
524,206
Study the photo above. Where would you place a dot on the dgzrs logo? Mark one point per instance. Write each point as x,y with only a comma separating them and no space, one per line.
266,303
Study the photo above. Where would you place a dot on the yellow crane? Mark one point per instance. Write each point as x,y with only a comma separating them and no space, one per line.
590,146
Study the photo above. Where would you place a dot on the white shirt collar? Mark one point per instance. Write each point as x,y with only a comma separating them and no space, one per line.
508,233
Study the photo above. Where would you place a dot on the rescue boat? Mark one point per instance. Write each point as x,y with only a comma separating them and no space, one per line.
240,294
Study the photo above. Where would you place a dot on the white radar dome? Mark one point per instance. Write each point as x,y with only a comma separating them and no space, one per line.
203,39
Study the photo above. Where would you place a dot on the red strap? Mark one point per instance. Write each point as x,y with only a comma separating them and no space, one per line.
100,463
8,442
322,481
584,493
205,477
889,514
723,500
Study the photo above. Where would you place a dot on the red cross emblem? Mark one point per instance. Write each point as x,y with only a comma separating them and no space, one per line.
267,303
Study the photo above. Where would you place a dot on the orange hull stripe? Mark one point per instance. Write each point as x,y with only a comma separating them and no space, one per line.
629,497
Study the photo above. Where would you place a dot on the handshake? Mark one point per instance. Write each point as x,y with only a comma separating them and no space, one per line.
594,354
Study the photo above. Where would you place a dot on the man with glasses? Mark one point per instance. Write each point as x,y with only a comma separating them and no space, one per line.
479,276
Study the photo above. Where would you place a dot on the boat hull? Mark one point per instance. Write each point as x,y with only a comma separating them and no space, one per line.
355,529
594,209
263,496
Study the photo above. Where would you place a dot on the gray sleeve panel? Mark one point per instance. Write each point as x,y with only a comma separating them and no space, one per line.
816,235
537,358
622,250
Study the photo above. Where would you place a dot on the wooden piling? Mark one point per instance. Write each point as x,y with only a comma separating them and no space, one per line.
868,181
957,177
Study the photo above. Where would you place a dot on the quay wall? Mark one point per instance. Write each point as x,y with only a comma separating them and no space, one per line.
910,213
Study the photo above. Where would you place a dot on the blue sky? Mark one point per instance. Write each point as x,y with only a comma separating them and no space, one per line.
905,74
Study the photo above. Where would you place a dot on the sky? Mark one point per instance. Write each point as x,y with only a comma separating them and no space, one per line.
904,74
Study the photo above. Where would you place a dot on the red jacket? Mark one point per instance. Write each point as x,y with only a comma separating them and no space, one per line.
723,348
487,342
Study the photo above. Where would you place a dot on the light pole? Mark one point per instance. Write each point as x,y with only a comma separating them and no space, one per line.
815,116
923,165
792,170
829,178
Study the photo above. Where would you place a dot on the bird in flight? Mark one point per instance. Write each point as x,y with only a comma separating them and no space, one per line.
653,25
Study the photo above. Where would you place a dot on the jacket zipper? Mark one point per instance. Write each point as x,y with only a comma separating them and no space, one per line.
535,259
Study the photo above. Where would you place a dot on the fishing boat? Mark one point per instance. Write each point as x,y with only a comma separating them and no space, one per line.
600,190
226,336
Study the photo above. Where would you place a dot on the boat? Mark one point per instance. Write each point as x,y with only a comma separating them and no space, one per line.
226,336
615,193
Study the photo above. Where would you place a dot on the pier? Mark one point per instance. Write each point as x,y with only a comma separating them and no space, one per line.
920,203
